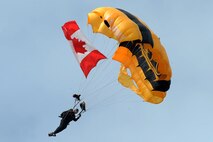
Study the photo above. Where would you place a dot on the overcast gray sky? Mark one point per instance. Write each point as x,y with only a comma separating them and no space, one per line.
39,74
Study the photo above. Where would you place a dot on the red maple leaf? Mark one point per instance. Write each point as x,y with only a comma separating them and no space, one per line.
78,46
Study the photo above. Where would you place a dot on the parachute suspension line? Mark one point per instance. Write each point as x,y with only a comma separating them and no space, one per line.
101,75
98,99
91,36
109,96
121,100
90,95
109,54
93,39
94,93
110,100
91,91
89,31
88,98
88,82
110,48
81,84
103,78
96,75
92,76
102,69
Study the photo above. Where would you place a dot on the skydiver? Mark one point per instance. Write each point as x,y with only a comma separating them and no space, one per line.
66,118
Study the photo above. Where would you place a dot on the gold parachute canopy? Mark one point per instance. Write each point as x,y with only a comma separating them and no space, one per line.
140,51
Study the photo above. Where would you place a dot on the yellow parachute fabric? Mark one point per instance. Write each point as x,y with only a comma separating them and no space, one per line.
140,52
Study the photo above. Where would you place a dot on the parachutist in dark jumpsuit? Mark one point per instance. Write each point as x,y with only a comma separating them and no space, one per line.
67,117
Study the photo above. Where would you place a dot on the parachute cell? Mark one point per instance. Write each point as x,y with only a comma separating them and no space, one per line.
140,51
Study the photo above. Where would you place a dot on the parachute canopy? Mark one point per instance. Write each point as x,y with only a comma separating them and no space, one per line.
140,51
86,55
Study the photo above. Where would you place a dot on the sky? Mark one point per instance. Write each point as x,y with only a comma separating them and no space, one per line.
39,74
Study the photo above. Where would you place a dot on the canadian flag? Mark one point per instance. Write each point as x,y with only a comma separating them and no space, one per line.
85,53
